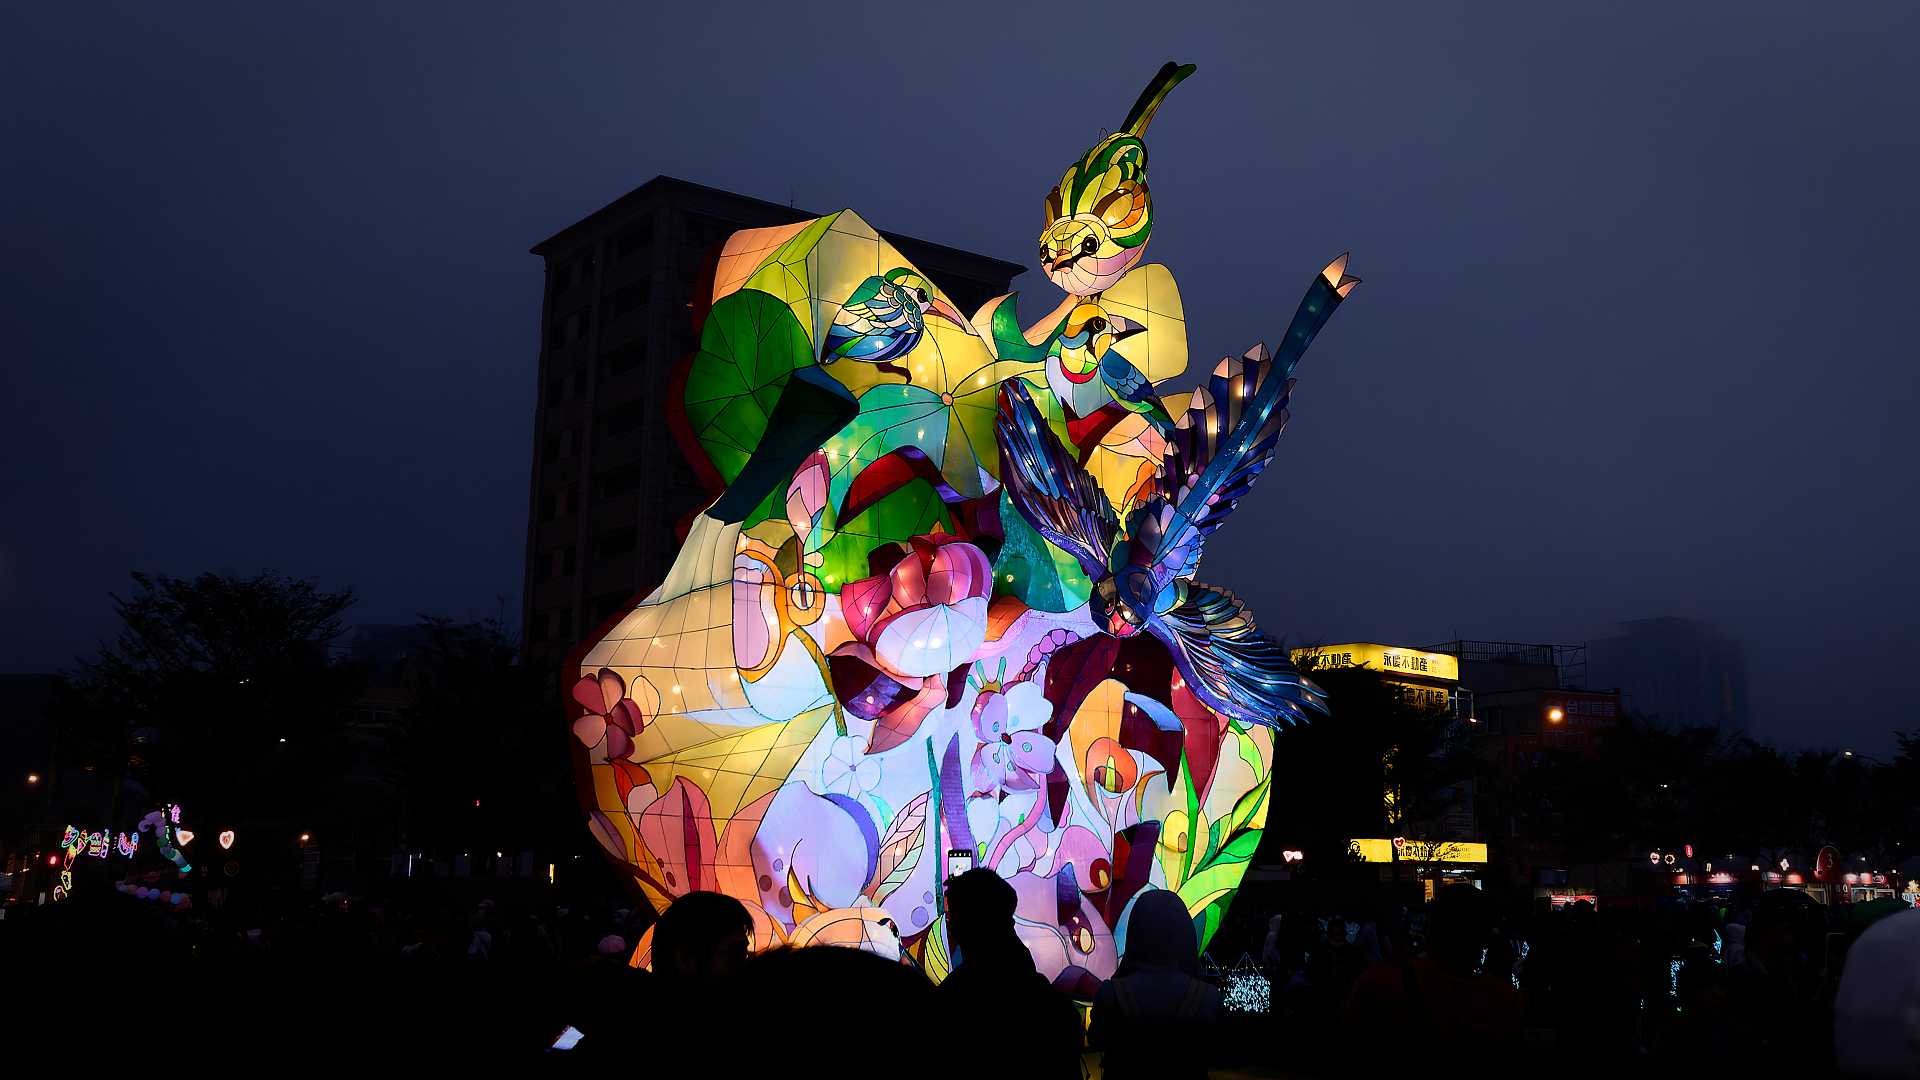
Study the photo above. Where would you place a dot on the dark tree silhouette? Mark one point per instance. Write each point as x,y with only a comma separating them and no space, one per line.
1331,777
218,693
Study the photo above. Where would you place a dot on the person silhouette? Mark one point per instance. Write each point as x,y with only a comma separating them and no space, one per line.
701,939
1152,1019
994,975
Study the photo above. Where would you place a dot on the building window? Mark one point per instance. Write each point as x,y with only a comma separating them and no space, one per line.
560,502
567,329
618,542
623,480
634,241
625,417
571,271
625,358
566,561
627,300
609,603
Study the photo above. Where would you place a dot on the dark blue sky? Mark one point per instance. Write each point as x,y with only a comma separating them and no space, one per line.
1637,334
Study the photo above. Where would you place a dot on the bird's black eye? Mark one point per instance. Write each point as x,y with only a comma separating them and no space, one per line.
1044,253
1089,245
922,294
1096,324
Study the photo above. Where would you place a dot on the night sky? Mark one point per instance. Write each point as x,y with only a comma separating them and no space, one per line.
1636,338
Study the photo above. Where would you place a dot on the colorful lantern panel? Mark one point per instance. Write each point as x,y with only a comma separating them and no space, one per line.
942,611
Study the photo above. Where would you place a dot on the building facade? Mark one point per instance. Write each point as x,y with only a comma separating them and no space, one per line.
1531,701
1441,849
626,289
1678,671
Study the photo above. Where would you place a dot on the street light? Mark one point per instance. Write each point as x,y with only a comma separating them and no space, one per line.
304,837
33,778
1555,715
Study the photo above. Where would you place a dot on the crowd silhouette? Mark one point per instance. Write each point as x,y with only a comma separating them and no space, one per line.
1458,982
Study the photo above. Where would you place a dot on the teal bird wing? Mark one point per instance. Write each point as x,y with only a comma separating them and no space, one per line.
871,322
1132,389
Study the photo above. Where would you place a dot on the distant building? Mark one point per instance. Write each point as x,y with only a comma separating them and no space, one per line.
1532,699
625,288
1443,848
1678,671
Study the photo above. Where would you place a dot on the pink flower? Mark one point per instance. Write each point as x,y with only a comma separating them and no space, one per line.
928,614
1013,755
610,714
911,626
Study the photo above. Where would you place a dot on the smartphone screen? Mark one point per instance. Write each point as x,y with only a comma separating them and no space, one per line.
568,1038
959,861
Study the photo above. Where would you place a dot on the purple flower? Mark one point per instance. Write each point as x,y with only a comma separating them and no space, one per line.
1013,755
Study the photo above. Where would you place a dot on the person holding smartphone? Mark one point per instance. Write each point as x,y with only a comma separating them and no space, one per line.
994,975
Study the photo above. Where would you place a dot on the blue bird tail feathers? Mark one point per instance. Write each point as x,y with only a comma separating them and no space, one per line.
1234,668
1244,405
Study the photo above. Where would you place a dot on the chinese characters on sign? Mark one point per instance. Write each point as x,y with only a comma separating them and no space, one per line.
1382,658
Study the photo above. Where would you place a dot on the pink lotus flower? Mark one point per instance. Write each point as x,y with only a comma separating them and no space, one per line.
610,714
928,614
911,626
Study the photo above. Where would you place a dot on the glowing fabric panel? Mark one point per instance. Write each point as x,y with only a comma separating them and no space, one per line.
946,600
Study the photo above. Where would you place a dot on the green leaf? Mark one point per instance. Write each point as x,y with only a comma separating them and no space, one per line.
1241,846
1247,807
1212,917
1193,816
1221,877
1249,753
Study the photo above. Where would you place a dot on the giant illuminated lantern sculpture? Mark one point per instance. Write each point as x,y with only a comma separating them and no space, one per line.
945,598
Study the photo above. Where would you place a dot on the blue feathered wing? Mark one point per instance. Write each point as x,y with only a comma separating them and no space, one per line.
1228,664
1049,487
